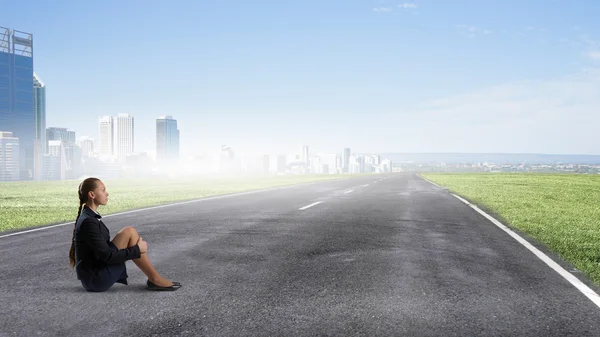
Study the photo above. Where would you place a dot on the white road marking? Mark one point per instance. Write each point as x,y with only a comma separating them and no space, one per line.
308,206
430,181
589,293
168,205
38,229
365,185
349,191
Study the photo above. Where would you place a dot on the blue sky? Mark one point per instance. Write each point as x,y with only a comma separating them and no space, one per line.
373,75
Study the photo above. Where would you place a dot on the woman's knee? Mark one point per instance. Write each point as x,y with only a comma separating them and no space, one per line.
130,233
126,237
129,230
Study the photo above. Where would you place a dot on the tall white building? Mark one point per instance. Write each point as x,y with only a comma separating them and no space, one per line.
305,155
316,166
87,146
9,157
376,159
123,136
106,137
346,160
354,164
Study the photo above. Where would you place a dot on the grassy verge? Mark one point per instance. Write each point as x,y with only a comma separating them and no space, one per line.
560,211
33,204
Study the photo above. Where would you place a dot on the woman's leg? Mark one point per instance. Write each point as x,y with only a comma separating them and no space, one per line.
128,237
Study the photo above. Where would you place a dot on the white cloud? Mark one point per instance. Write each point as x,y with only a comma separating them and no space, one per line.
530,31
587,43
554,116
472,31
594,55
382,9
407,5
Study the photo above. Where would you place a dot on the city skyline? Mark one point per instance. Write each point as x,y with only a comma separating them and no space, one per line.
372,75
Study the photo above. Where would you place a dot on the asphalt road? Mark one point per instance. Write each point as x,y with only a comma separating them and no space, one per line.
391,257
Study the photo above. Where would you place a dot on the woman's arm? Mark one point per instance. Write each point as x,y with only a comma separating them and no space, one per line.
92,236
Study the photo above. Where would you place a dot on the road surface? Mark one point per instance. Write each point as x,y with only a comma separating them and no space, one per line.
380,255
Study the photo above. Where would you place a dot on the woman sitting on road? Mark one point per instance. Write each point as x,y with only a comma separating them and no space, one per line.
98,262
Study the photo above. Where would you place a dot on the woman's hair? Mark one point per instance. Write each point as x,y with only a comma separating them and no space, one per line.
85,187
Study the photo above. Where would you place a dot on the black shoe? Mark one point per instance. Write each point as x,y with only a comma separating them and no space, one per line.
152,286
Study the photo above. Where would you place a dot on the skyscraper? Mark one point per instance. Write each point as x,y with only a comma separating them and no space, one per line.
55,161
87,146
123,136
9,157
106,137
62,134
376,159
305,155
16,95
346,160
70,151
41,144
167,139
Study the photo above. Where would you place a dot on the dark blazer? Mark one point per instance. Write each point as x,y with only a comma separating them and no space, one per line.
93,248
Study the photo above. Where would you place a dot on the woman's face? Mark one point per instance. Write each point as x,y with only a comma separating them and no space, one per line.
99,195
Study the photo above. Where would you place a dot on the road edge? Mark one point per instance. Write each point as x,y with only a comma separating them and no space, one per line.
582,287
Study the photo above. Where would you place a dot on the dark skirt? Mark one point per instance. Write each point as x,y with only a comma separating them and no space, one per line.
105,276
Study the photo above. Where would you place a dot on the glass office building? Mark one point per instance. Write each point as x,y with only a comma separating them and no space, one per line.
41,144
16,95
167,139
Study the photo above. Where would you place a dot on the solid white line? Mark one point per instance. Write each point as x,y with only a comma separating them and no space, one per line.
420,176
350,191
589,293
308,206
36,229
168,205
593,296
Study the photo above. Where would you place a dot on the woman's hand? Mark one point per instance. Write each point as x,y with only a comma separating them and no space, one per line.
143,245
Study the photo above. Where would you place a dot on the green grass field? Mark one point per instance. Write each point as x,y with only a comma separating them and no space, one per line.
33,204
560,211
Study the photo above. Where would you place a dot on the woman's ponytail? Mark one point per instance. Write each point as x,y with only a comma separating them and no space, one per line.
85,187
72,251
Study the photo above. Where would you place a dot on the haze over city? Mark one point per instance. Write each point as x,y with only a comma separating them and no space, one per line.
375,76
300,168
